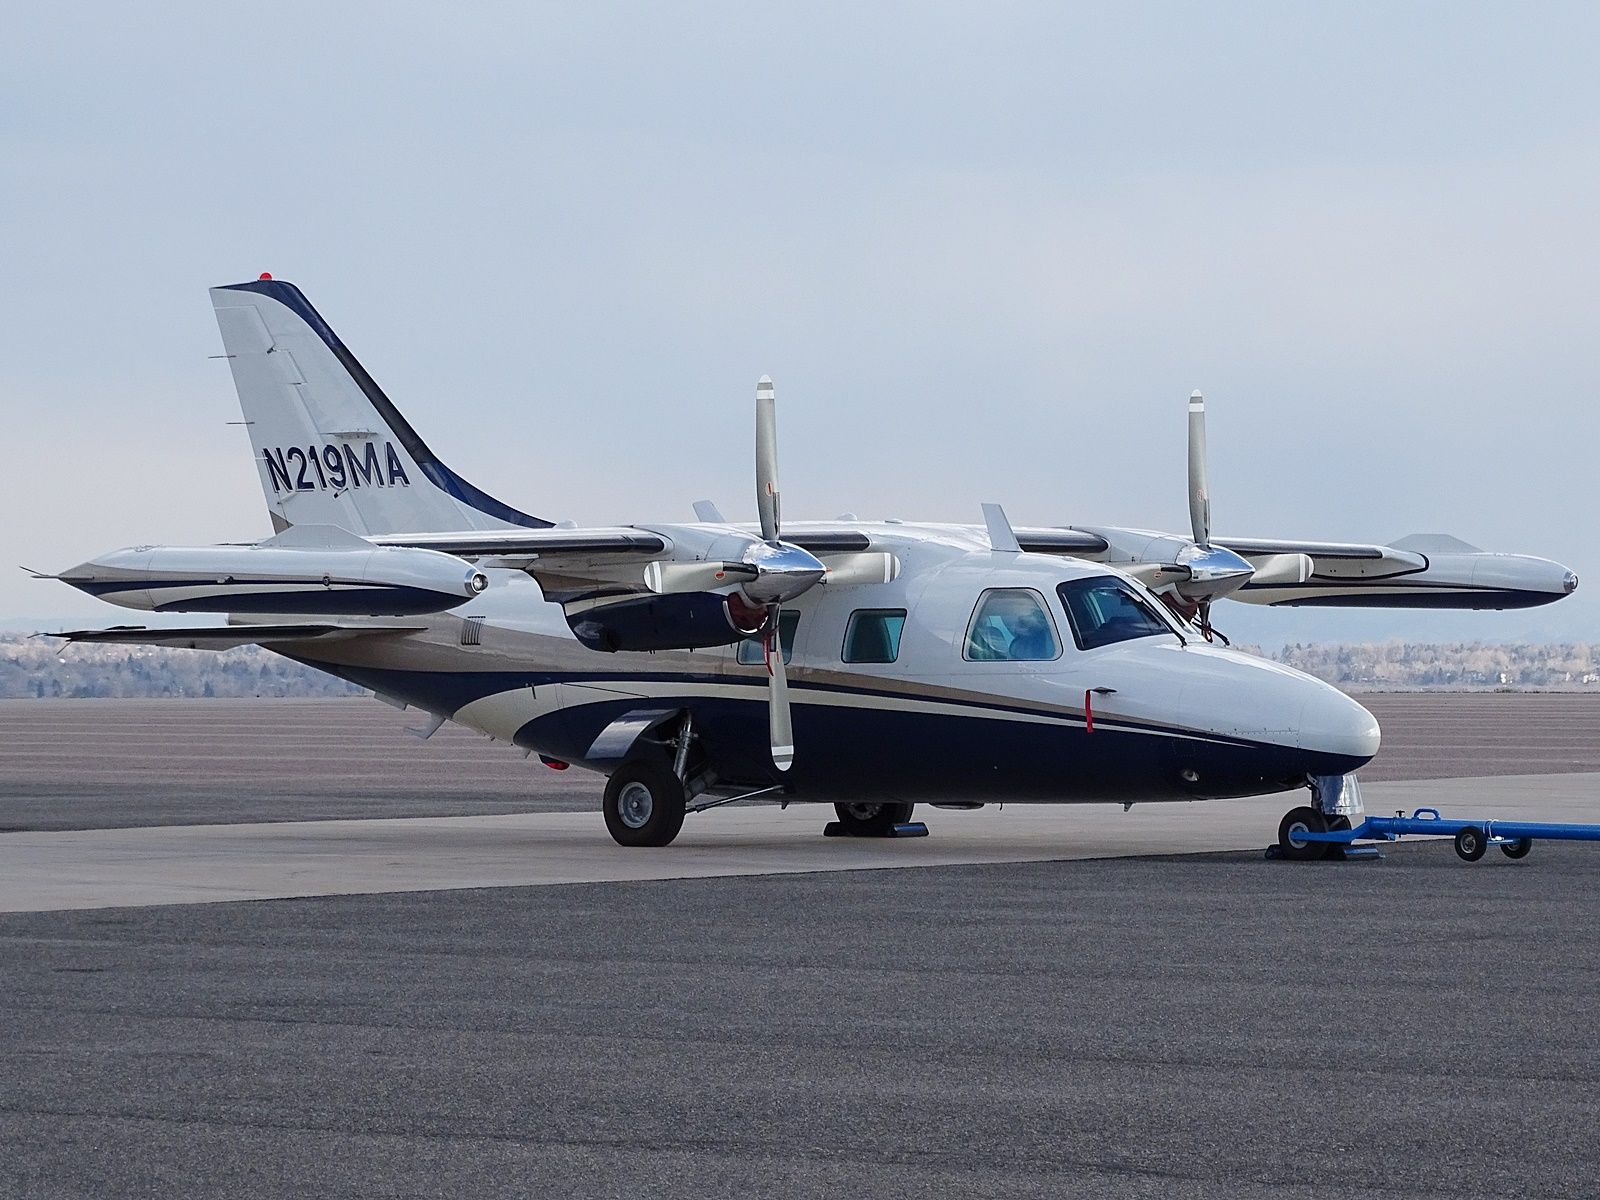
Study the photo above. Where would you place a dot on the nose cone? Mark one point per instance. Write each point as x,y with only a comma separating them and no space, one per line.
1332,724
1281,724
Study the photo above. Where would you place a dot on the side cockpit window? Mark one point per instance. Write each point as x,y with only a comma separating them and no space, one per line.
1011,625
1105,610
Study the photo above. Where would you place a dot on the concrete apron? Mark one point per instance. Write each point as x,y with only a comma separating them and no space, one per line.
191,864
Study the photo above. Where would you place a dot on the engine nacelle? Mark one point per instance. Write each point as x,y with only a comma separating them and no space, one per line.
679,621
355,580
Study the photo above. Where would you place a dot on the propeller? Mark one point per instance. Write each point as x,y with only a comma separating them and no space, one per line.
783,571
769,573
1202,573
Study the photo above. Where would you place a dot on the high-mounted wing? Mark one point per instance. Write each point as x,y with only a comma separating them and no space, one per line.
1422,571
580,567
571,565
622,541
1075,542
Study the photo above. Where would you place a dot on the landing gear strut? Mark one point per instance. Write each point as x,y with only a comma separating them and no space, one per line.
872,820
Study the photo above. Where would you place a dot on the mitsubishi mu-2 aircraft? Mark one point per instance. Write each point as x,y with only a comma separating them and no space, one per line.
873,665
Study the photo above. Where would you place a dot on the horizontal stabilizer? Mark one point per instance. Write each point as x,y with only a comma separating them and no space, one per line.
226,637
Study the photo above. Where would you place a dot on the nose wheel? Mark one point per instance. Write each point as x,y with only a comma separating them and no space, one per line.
1302,820
1297,821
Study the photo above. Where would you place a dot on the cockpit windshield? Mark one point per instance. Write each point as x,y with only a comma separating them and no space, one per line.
1104,610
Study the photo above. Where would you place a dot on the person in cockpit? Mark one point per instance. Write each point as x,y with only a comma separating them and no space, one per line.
1030,636
1011,627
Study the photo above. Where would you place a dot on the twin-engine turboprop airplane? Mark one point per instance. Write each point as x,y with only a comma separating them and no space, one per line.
873,665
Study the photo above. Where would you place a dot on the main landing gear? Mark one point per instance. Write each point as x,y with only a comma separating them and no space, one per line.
644,802
870,820
650,791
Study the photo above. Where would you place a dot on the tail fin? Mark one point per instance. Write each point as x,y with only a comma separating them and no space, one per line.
331,448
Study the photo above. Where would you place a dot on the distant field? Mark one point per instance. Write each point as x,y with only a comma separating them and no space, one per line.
90,763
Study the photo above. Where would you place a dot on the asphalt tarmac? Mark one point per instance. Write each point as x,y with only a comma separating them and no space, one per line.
1205,1026
85,764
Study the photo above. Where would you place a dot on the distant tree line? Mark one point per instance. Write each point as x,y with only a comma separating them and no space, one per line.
46,667
1450,665
41,667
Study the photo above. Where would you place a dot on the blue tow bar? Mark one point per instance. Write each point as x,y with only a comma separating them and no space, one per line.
1472,837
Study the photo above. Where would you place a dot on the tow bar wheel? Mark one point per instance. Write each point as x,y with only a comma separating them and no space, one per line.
1517,848
1471,843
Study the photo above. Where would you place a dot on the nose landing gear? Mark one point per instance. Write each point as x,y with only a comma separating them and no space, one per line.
1299,821
1334,799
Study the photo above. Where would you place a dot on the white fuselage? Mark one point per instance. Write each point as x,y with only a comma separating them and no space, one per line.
1162,716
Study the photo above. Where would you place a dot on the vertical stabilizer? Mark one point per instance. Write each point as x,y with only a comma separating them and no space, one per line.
330,447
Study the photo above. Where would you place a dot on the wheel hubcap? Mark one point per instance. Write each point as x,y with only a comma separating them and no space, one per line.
1295,839
863,812
634,805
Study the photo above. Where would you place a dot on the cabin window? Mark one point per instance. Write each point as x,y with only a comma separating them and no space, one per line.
750,653
1104,610
873,635
1011,625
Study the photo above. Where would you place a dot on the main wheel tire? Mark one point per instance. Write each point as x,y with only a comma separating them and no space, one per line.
1471,843
872,820
1517,849
1304,819
644,803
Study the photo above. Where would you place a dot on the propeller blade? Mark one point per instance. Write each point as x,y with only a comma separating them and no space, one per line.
1282,568
665,577
868,566
767,459
779,726
1199,491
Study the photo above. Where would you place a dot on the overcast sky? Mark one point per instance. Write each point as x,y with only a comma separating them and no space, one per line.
986,251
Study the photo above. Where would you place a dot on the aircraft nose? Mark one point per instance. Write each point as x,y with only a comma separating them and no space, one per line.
1333,724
